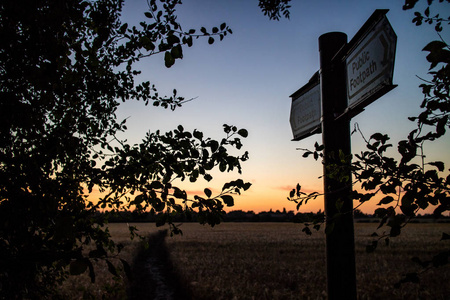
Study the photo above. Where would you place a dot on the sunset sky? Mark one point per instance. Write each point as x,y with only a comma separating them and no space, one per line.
246,81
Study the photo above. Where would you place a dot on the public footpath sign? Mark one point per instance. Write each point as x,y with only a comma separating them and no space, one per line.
351,76
369,59
370,64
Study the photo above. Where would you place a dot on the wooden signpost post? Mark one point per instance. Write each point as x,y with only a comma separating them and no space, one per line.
351,76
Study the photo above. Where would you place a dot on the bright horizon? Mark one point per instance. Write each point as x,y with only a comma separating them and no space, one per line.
246,81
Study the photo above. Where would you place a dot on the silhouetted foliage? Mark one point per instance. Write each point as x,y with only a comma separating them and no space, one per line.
65,67
275,8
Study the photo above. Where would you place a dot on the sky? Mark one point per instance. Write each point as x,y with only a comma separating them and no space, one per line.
246,80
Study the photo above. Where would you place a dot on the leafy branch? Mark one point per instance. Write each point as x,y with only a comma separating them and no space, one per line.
164,35
275,8
143,176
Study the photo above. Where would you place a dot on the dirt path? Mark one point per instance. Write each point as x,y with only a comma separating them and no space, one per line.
154,276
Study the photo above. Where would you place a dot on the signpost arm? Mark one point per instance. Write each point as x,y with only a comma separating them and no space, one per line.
341,274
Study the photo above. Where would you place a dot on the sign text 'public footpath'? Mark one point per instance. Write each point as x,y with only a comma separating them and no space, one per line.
370,65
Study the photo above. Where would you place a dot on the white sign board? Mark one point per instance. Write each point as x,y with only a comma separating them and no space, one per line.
370,66
306,112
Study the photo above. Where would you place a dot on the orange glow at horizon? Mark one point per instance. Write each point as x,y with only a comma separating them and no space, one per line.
266,197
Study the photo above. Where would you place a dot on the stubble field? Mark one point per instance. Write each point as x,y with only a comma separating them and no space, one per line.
278,261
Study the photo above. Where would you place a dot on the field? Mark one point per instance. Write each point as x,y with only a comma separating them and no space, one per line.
278,261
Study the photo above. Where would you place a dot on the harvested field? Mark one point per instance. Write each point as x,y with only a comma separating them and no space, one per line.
278,261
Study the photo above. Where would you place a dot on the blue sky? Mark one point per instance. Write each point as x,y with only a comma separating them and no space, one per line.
246,81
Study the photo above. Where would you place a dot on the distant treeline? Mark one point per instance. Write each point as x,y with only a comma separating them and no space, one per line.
250,216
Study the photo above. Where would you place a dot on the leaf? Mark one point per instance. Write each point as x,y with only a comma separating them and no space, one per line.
91,271
307,153
243,132
78,267
319,147
177,52
211,40
222,167
395,230
307,230
208,193
127,269
123,28
111,268
438,27
158,205
292,193
189,41
229,201
156,185
173,39
214,145
139,199
168,59
148,15
382,222
437,52
198,135
440,127
438,164
378,136
386,200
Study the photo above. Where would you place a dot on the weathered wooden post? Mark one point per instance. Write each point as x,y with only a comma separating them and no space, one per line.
341,273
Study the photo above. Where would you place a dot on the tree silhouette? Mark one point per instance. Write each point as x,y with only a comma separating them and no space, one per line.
65,67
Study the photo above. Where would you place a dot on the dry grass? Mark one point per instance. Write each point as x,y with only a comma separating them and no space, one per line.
278,261
250,260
